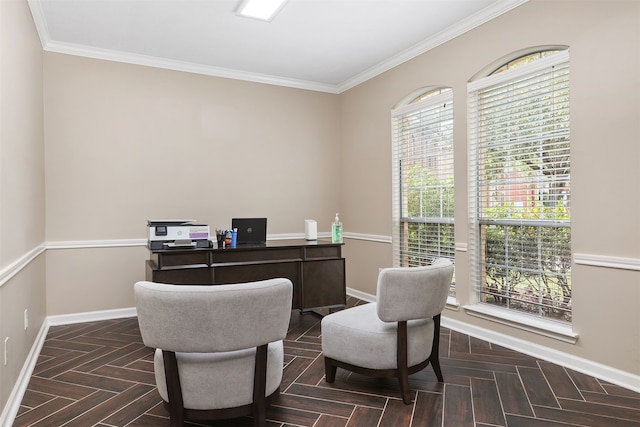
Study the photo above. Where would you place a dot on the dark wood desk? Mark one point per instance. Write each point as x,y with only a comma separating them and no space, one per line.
316,268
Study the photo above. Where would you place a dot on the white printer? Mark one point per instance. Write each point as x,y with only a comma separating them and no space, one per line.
177,233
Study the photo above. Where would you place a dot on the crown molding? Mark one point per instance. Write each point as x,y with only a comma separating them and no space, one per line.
442,37
485,15
187,67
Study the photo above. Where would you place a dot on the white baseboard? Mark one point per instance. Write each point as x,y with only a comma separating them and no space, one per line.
361,295
90,316
15,398
588,367
17,393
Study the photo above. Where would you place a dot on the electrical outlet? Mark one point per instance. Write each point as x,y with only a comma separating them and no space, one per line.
26,318
6,351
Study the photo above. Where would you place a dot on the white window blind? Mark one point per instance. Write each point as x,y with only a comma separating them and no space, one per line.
519,162
423,180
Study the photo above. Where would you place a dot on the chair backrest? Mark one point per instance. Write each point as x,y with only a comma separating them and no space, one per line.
209,319
406,293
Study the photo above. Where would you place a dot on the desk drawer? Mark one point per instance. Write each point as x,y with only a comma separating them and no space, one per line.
245,255
181,258
322,252
183,276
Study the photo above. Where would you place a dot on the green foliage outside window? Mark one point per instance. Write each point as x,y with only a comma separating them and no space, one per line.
427,229
528,267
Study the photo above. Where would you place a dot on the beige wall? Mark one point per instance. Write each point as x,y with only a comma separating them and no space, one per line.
22,283
21,164
81,280
603,37
128,143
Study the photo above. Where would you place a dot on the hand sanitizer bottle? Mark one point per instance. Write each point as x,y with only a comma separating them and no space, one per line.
336,231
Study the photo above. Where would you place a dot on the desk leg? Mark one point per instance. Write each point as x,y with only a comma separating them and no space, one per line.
321,312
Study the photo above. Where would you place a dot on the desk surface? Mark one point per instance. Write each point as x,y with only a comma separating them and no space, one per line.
285,243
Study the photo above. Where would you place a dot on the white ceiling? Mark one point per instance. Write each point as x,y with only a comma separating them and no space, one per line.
324,45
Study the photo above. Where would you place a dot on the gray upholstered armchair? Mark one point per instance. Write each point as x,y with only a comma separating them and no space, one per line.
396,336
210,340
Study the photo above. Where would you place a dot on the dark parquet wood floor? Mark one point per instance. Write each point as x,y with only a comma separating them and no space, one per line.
100,374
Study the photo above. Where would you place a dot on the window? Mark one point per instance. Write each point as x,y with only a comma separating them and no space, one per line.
423,179
519,160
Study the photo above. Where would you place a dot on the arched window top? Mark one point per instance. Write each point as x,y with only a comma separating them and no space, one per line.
422,94
525,59
429,93
516,59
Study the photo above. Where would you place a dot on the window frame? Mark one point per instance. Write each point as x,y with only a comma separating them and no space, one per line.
433,107
476,221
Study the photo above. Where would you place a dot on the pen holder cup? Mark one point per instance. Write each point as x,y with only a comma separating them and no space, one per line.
220,238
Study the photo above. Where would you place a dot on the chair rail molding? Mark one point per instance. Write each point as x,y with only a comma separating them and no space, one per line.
6,273
368,237
607,261
81,244
622,263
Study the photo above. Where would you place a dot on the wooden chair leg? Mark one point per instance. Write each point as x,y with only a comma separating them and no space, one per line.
434,358
402,363
259,387
174,390
329,370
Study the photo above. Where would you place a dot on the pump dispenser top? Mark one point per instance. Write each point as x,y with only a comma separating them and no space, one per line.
336,230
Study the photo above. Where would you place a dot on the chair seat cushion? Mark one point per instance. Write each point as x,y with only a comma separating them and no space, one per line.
357,336
220,380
